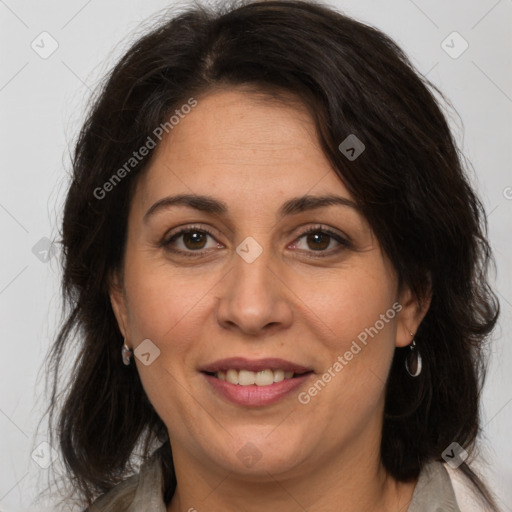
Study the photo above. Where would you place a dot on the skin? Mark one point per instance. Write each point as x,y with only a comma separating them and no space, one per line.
255,153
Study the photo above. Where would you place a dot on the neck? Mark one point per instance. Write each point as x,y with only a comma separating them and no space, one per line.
351,481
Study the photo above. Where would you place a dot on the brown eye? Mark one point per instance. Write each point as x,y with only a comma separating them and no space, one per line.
191,241
322,241
194,240
318,241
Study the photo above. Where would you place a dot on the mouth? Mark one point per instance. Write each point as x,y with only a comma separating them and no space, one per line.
244,377
255,382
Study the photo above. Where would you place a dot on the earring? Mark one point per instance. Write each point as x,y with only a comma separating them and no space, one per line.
413,362
126,354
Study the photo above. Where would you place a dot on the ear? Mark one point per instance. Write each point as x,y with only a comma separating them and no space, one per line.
118,301
410,316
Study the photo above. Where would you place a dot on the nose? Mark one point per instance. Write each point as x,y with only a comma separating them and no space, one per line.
253,298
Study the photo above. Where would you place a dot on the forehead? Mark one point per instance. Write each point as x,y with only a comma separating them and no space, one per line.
242,146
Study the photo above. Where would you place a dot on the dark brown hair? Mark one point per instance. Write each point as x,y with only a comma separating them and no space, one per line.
410,183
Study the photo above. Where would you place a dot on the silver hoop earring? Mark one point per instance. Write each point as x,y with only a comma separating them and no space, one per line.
126,354
413,362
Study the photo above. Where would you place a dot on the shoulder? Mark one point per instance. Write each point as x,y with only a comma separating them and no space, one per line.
440,487
138,493
467,496
117,499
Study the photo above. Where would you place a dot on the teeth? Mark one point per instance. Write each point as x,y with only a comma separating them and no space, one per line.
264,378
232,376
248,378
278,375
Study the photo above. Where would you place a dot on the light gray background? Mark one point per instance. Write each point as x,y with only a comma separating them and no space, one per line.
42,103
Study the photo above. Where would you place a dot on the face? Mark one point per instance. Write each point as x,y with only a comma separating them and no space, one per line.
243,280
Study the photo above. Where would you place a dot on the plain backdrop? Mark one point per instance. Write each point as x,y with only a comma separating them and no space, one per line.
43,98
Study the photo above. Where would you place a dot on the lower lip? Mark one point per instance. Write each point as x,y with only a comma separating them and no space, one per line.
256,396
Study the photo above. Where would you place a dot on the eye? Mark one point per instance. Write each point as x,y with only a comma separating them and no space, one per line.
194,241
190,241
321,240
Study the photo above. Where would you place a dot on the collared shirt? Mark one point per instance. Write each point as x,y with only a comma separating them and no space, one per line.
143,492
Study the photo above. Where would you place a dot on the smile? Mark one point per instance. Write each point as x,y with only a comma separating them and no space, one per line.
255,383
249,378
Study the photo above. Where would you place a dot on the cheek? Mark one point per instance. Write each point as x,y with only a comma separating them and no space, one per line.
165,307
348,394
357,311
162,300
170,308
351,302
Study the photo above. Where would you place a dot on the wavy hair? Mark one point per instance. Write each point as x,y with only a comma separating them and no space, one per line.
411,183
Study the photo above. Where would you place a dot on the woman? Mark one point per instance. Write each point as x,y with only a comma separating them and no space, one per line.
269,224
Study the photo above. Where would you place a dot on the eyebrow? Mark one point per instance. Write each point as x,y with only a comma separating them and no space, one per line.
214,206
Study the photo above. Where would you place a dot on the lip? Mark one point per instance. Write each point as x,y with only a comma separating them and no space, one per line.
254,365
256,396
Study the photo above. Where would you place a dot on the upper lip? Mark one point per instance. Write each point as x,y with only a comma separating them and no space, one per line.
255,365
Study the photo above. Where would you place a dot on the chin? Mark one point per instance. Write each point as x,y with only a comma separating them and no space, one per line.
255,455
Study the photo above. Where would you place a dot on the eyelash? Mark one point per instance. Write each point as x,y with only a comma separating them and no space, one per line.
166,243
191,229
